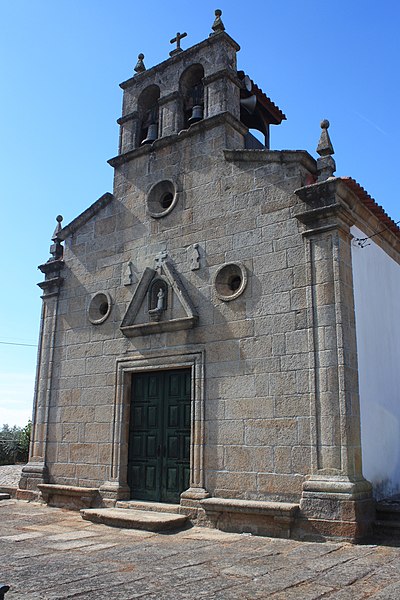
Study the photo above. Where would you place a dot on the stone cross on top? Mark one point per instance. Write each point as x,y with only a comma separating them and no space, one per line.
160,258
177,39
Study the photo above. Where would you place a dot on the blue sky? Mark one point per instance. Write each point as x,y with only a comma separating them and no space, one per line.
61,63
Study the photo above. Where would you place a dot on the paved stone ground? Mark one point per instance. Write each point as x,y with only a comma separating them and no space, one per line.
52,554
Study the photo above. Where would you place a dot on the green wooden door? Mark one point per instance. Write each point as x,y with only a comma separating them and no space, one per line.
159,435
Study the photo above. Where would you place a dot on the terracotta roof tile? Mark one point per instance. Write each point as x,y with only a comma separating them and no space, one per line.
372,205
277,116
272,108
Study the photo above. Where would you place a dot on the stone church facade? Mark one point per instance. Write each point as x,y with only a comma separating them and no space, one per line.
198,340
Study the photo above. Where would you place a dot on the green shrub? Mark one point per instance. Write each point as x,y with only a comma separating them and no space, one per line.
14,444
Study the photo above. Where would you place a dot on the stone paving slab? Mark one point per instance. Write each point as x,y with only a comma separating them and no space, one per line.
53,554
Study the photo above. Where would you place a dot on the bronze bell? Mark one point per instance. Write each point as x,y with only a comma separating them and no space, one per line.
249,104
197,114
151,134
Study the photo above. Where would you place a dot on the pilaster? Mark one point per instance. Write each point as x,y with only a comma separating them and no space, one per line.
336,499
222,94
129,132
171,114
35,471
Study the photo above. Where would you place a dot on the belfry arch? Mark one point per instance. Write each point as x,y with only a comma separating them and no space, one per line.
192,93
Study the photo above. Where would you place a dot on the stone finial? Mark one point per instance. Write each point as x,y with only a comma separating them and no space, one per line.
56,249
218,25
59,219
326,165
139,68
325,147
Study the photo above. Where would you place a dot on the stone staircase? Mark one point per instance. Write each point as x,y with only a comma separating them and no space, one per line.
131,514
276,519
387,523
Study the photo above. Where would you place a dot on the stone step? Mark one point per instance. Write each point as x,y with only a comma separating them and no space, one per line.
161,507
4,496
134,519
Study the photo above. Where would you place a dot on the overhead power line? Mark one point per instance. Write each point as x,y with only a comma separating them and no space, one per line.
16,344
362,242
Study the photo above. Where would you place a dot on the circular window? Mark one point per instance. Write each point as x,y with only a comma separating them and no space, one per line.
230,281
99,308
161,199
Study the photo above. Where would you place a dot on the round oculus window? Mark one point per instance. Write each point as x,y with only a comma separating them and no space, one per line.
230,281
161,199
99,308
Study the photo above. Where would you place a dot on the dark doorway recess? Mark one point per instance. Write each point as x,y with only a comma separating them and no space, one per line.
159,435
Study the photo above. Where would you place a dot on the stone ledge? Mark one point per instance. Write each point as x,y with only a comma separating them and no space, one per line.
250,506
69,496
274,519
11,490
159,327
27,495
168,140
301,157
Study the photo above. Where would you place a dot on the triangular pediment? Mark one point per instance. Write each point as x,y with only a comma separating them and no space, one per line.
160,303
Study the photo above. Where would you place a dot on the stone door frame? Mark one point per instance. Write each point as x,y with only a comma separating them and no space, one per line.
159,465
117,486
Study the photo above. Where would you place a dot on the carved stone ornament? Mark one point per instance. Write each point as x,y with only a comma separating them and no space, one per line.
160,303
52,268
194,255
218,25
127,274
139,67
177,40
326,165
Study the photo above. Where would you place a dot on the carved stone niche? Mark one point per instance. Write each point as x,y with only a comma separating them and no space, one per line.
157,298
160,303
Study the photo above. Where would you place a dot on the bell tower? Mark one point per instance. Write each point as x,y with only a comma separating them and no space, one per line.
190,88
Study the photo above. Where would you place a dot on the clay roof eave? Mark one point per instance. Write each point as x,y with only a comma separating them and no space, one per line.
376,209
275,113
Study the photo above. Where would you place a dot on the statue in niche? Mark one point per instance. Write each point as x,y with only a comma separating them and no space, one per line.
160,300
158,295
